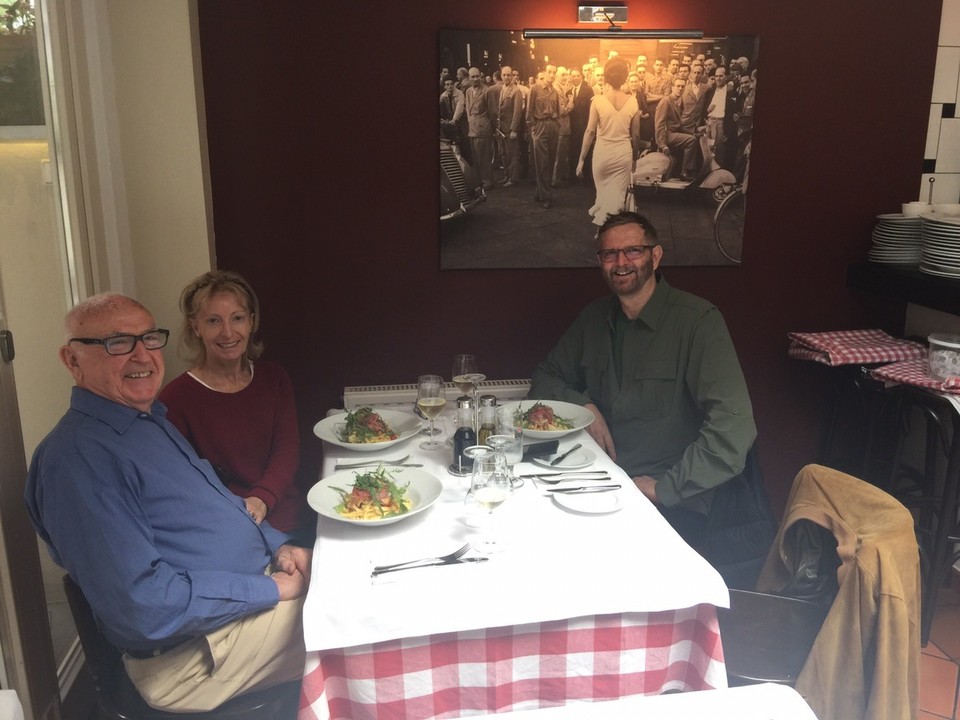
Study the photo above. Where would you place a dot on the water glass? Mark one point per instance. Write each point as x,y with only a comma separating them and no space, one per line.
510,426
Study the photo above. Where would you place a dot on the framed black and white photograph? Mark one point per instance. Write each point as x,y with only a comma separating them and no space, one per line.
541,139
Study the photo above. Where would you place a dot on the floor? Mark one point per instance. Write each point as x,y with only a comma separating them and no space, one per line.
940,660
511,230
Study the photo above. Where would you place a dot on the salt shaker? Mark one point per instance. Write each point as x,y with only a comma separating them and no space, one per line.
488,418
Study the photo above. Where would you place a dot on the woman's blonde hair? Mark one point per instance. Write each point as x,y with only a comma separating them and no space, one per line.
198,292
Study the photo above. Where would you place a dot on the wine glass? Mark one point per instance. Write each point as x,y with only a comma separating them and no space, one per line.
431,399
467,377
489,488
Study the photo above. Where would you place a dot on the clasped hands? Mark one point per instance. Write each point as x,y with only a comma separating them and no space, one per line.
291,571
599,431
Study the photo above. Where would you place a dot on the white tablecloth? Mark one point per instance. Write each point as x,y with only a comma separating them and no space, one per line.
558,564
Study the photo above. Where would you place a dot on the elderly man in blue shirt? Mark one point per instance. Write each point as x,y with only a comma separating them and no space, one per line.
205,603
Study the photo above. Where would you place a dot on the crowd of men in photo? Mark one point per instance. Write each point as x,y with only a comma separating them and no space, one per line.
510,129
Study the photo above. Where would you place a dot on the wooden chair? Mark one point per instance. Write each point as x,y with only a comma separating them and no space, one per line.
118,699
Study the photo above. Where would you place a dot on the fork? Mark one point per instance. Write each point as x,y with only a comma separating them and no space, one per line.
347,466
450,557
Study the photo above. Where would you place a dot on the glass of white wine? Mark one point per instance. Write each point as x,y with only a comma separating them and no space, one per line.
489,488
467,378
431,399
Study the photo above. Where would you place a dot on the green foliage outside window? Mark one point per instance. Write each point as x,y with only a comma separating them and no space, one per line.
21,99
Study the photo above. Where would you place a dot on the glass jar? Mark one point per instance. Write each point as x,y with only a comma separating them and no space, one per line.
464,437
488,418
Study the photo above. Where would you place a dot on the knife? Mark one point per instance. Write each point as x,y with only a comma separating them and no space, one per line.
585,489
557,460
386,464
459,561
583,474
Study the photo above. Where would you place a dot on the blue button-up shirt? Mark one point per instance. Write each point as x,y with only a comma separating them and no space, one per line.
161,549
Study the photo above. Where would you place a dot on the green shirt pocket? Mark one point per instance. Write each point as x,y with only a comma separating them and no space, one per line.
650,392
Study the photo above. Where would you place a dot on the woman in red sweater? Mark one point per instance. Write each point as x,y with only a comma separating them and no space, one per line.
237,411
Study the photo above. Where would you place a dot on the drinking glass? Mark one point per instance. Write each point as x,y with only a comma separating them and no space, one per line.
431,399
489,488
510,427
467,378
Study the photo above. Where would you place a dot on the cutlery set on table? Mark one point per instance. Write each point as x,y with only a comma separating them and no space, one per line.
565,477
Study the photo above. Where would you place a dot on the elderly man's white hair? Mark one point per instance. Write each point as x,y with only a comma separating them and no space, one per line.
94,305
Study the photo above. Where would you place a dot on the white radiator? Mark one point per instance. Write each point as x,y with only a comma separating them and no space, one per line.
386,395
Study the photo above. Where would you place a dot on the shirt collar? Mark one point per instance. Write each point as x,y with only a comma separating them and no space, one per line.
119,417
655,309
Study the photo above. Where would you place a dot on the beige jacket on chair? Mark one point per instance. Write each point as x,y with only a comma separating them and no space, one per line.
865,662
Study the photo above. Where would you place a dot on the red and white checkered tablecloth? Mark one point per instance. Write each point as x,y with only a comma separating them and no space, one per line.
852,347
521,667
914,372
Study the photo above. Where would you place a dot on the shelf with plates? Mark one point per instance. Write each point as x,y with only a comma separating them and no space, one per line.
906,283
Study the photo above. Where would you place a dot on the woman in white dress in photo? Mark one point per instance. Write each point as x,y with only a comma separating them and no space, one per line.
611,115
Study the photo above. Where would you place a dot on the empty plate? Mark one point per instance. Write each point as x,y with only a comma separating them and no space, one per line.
591,503
576,459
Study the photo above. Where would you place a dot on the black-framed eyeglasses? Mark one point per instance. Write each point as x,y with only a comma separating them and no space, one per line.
124,344
634,252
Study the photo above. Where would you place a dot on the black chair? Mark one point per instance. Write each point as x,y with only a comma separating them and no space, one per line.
837,608
767,638
118,699
933,490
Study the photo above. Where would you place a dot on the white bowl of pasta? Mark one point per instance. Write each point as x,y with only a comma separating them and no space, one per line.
341,429
346,495
549,419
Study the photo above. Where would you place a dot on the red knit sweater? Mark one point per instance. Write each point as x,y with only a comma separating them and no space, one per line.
250,437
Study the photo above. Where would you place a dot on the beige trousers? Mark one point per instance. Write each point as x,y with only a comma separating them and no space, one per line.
252,653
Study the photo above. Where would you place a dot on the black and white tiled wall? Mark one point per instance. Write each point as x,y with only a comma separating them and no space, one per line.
941,158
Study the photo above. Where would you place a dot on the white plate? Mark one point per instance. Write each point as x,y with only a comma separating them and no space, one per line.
898,217
423,491
403,424
592,503
577,414
573,461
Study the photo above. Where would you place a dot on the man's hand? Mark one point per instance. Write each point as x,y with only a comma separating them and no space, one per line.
257,508
290,586
293,571
648,486
599,431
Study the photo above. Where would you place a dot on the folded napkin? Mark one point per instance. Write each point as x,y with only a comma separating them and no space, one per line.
914,372
853,347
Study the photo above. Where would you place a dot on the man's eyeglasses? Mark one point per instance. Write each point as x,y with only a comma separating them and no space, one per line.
124,344
634,252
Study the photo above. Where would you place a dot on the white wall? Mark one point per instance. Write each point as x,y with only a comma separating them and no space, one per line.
161,152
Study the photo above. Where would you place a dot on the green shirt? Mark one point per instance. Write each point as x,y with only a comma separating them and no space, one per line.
678,409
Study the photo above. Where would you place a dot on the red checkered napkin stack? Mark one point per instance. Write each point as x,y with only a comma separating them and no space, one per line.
915,372
853,347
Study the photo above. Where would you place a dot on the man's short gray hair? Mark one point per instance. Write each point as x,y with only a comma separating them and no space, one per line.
626,217
94,305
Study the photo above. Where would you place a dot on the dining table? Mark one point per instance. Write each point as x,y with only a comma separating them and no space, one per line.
592,597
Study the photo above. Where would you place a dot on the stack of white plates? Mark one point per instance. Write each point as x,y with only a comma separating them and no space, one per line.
941,246
896,240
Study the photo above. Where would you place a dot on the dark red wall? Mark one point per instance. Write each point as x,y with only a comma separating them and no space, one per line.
321,124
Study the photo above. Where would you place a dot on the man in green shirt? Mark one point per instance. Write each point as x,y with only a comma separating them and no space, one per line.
658,369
